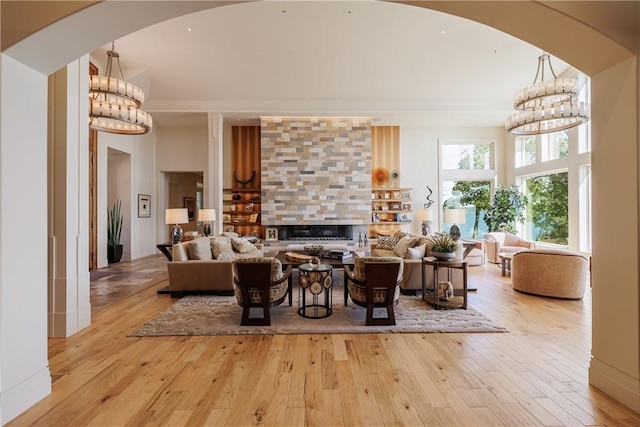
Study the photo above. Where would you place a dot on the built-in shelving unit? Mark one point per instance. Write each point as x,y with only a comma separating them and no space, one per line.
390,210
242,211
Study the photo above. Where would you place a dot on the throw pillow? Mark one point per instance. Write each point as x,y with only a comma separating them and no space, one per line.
416,252
222,250
400,234
400,249
199,249
387,242
242,245
230,234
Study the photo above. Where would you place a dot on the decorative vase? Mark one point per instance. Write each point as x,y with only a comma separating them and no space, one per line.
114,253
444,256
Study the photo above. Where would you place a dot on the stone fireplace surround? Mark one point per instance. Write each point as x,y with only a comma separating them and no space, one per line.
316,173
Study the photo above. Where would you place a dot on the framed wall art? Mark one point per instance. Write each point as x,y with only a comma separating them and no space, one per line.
272,233
144,206
190,204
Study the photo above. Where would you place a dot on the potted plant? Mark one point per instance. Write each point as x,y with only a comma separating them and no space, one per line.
443,246
114,231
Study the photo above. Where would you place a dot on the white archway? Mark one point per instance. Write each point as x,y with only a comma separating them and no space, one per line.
615,80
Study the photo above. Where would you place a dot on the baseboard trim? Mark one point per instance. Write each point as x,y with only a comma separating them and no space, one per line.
617,384
24,395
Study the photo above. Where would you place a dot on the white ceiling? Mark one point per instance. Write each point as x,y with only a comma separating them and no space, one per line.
396,63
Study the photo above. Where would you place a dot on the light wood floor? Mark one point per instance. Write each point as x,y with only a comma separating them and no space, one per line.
534,375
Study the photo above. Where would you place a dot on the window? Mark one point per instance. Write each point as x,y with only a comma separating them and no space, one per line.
525,151
467,156
585,208
474,198
584,135
555,145
548,210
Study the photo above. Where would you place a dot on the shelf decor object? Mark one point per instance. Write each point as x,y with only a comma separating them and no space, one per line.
547,106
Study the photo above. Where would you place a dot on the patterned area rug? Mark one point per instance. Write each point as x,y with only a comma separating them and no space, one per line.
219,315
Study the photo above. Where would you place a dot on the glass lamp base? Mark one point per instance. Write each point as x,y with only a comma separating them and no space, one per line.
176,234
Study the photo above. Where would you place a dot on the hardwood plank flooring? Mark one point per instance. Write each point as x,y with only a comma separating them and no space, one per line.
534,375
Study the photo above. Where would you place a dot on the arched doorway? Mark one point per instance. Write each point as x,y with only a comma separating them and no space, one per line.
614,75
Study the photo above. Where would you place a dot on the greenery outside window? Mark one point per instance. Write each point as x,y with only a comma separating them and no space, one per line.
474,197
548,209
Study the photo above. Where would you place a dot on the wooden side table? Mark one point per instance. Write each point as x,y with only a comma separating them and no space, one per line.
165,248
434,299
505,262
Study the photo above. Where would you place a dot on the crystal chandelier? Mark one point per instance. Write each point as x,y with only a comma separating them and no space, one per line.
114,104
547,106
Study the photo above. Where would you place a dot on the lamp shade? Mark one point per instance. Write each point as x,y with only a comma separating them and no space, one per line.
424,215
176,216
455,216
206,215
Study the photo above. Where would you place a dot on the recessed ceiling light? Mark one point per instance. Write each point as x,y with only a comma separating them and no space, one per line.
442,31
189,29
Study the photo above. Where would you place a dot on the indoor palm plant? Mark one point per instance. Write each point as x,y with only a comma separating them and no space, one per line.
443,246
114,231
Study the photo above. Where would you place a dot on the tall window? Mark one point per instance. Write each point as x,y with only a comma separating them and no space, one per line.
466,156
467,174
585,208
472,196
555,145
525,151
548,210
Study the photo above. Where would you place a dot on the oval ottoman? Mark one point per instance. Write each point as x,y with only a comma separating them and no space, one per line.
552,273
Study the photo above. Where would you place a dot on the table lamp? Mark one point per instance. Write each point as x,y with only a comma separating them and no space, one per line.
453,217
207,216
424,216
176,216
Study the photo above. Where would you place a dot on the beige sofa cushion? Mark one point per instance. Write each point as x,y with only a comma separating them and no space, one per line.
199,249
242,245
400,249
222,250
417,252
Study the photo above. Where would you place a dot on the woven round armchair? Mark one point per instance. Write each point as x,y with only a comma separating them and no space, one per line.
552,273
259,282
375,282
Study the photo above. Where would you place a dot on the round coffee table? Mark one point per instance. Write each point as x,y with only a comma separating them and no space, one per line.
317,280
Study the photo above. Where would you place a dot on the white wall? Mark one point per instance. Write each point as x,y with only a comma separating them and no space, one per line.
141,236
24,367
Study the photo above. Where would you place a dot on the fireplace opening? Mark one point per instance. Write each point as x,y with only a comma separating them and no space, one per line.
316,232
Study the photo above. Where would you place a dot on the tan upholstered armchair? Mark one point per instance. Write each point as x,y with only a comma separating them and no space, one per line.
496,242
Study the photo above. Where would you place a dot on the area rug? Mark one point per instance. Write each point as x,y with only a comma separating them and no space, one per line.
220,315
